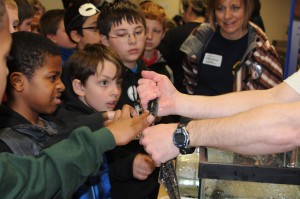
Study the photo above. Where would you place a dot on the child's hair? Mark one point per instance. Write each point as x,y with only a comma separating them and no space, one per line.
77,14
198,6
11,4
113,14
38,6
49,21
153,11
28,52
26,10
83,63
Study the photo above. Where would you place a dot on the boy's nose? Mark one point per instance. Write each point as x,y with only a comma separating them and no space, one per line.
61,86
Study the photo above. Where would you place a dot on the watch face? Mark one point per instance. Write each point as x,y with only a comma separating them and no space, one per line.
179,139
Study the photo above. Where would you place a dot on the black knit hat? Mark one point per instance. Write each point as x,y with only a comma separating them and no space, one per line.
76,15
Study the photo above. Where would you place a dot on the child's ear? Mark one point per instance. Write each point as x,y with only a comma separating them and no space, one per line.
78,88
75,36
104,40
52,37
16,79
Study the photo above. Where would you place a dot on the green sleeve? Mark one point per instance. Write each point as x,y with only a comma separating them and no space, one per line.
58,170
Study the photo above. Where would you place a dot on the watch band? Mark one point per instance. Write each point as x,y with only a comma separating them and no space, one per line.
185,151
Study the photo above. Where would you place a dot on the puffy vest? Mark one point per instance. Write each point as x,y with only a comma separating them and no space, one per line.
27,139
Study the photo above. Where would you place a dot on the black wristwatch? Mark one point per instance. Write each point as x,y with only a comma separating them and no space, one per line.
181,139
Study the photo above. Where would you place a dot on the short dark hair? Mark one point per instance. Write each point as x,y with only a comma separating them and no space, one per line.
49,21
114,13
28,52
83,63
26,10
66,3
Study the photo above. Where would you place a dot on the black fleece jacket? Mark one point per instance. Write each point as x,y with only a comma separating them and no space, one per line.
124,185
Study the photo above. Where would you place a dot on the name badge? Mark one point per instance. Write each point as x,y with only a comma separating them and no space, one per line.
212,59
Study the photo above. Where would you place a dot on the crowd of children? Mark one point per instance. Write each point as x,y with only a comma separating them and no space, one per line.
75,69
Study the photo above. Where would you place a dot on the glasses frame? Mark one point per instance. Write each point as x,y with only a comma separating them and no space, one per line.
128,36
93,28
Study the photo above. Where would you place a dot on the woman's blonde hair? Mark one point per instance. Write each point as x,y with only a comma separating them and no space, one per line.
211,9
10,4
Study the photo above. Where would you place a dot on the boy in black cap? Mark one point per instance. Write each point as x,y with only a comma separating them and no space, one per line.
81,23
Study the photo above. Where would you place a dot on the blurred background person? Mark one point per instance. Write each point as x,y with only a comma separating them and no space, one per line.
39,10
193,16
26,12
13,15
256,17
178,19
229,54
52,25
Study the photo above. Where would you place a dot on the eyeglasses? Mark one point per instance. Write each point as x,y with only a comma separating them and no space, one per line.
92,28
124,37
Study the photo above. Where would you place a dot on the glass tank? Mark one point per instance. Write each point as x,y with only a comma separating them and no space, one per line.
234,176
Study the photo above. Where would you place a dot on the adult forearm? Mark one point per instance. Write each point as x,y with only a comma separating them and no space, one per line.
198,107
263,130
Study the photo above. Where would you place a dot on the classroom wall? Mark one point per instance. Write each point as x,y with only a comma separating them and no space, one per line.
275,14
52,4
171,6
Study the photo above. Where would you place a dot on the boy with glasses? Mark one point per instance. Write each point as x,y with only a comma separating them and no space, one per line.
122,27
81,24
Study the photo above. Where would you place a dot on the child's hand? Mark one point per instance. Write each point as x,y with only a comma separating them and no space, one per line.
142,167
127,124
108,117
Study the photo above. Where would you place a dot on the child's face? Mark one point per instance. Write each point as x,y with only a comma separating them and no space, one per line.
90,36
4,50
102,90
61,37
13,19
155,33
43,91
26,25
131,49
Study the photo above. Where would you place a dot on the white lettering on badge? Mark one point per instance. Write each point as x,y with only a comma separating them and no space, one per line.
212,59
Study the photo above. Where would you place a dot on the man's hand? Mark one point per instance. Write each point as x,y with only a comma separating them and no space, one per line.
125,128
154,85
158,142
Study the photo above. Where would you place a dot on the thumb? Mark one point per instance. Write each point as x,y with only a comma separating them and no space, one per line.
143,121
